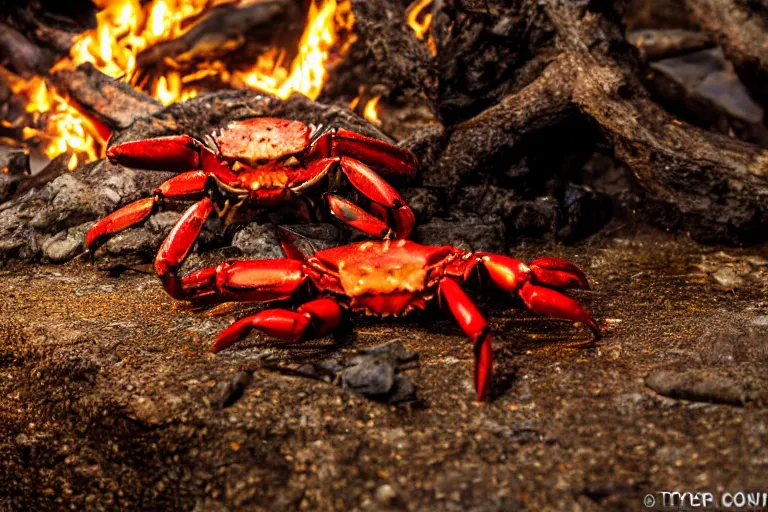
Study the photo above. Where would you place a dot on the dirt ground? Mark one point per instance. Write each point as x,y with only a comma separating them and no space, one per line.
112,401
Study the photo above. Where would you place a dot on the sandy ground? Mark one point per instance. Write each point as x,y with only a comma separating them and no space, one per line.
111,399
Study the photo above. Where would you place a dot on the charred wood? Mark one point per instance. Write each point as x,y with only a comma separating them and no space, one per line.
115,104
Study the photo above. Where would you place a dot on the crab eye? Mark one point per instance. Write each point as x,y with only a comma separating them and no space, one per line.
292,162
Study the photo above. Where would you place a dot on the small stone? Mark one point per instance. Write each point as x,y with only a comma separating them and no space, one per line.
757,261
370,376
65,245
385,495
728,278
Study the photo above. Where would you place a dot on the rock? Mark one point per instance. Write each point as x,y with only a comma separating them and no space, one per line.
728,278
65,245
385,495
467,232
317,236
393,351
707,385
487,200
533,219
258,241
584,212
56,200
369,376
424,203
373,373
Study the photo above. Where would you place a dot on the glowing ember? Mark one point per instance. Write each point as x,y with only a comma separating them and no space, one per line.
125,28
421,28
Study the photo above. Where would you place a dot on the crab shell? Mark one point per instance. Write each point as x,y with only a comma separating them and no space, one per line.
262,139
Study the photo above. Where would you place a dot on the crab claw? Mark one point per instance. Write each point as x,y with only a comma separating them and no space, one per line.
558,273
172,153
546,301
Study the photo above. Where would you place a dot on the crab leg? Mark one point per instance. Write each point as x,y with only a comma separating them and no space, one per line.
188,185
474,325
318,317
177,244
127,216
375,188
172,153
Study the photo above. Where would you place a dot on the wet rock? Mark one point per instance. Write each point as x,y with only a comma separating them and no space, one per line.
468,232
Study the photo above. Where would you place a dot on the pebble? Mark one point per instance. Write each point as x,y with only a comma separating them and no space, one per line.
728,278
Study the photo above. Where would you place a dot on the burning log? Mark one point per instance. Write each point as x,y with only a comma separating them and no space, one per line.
223,30
113,103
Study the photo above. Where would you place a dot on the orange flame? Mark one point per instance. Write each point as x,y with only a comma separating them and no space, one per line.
126,27
66,129
370,111
421,28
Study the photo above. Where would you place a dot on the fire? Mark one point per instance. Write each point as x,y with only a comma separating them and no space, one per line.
370,112
66,129
125,28
421,28
308,70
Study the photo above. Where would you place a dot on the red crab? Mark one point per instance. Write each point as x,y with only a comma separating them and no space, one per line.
382,278
254,165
